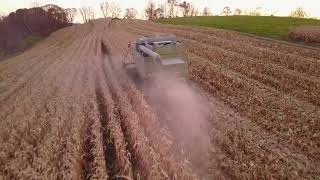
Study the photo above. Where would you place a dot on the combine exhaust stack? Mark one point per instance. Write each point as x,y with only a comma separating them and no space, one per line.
156,55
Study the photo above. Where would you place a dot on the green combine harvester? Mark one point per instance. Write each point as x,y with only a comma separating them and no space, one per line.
154,56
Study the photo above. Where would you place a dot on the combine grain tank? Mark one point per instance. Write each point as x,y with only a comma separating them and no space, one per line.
155,55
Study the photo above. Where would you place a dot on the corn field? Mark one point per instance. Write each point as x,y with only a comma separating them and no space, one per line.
69,111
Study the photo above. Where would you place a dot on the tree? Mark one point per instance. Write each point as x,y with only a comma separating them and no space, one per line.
237,12
163,10
193,11
105,7
130,13
55,12
71,13
206,12
87,14
159,14
36,22
172,4
185,8
256,12
115,10
299,12
150,11
226,11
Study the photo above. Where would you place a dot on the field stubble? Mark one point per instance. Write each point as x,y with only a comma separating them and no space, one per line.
69,111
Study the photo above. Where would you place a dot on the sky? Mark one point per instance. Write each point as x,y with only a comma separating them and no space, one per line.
276,7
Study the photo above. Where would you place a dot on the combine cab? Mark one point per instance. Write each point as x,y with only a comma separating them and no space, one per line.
153,56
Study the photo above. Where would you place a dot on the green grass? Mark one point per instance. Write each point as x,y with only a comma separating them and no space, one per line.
267,26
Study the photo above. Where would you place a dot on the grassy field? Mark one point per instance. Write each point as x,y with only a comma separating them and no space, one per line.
268,26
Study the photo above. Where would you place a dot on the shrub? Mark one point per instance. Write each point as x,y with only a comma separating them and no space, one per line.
306,34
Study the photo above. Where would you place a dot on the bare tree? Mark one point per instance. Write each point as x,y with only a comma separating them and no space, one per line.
172,4
185,8
150,10
105,7
206,12
256,12
164,10
115,10
159,14
299,12
71,13
193,10
87,14
237,12
226,11
130,13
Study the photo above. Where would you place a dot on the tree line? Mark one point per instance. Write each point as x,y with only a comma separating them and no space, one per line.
172,9
36,22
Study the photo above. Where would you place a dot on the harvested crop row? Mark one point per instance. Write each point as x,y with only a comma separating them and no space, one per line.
42,101
158,137
234,36
94,162
34,147
34,74
31,72
83,157
261,104
56,40
93,157
279,78
118,158
306,89
146,161
290,61
245,162
115,153
31,94
244,150
296,113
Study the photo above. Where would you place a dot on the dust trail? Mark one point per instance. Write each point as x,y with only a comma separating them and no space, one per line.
184,111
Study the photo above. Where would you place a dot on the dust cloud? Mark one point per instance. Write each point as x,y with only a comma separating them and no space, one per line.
184,111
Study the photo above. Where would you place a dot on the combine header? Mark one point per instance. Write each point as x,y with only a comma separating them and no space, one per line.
156,55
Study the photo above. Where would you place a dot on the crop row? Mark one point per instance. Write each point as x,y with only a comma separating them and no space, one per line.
236,37
266,106
291,61
157,139
282,79
48,124
237,148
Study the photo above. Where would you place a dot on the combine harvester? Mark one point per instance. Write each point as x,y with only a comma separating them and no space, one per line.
157,56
